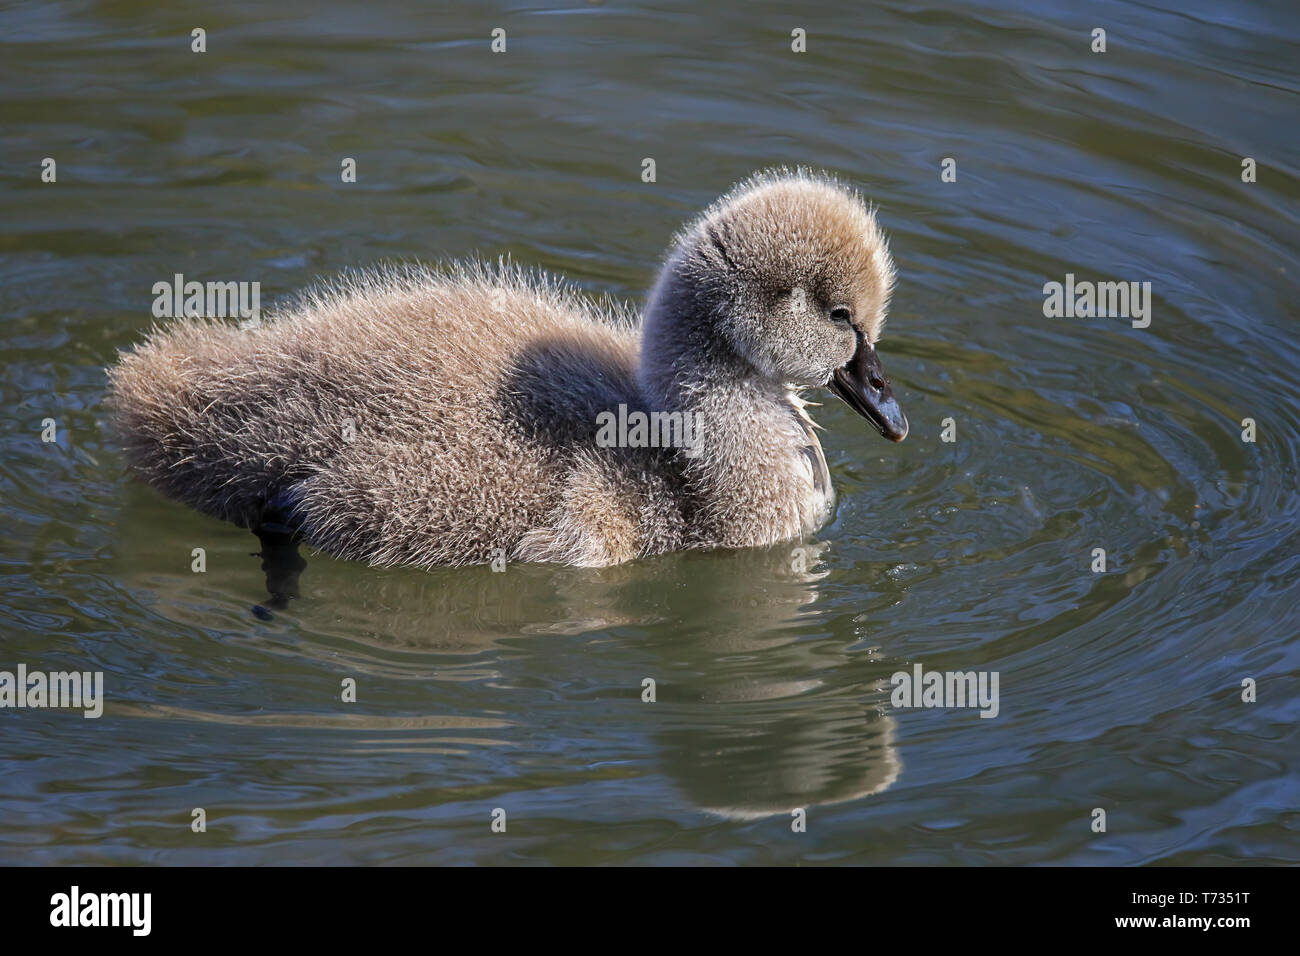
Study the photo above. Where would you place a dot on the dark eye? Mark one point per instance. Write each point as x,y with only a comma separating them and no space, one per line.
841,313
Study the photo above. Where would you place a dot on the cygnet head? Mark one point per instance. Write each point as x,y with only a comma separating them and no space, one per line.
789,275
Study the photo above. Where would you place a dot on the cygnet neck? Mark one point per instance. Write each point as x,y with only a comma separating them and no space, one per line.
759,467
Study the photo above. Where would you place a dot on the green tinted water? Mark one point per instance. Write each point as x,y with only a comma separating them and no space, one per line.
522,690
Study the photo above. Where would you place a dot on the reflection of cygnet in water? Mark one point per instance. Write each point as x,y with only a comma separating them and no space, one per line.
773,721
751,760
752,592
753,715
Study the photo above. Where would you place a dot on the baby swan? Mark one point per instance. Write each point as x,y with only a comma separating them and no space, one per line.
457,417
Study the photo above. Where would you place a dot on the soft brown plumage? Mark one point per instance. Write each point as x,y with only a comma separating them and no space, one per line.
449,417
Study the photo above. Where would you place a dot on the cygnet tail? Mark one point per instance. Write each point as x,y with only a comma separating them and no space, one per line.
168,407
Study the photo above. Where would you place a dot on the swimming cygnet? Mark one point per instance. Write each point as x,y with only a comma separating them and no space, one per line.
472,414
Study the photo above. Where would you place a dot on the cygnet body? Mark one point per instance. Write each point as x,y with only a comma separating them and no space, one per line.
465,415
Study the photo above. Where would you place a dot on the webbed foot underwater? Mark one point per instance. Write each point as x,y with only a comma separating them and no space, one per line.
427,418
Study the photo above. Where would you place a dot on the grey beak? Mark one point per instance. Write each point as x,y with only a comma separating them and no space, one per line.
862,384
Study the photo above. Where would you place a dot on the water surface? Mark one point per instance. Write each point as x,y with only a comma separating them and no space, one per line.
522,690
